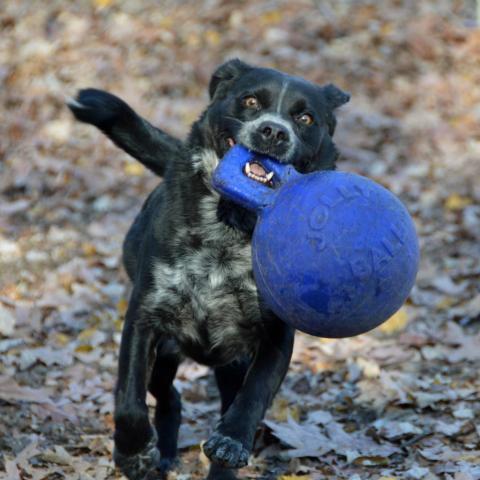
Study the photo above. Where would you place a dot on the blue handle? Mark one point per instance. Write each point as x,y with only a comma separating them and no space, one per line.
230,180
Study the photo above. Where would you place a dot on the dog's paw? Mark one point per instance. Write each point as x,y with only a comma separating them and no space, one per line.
167,464
226,451
218,472
97,107
143,465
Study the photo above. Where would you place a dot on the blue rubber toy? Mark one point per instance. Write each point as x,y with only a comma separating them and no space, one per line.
334,254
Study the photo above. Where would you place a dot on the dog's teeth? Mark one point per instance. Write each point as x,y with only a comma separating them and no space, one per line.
256,177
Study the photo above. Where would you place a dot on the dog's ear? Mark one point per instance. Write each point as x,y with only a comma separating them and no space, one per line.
224,75
334,98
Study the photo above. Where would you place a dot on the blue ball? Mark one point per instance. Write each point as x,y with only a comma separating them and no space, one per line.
334,253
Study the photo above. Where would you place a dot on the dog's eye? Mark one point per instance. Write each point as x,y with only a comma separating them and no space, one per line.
306,119
250,102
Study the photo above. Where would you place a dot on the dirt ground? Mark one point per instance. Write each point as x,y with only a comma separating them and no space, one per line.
401,402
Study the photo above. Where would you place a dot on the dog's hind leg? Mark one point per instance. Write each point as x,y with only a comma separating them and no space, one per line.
168,409
135,452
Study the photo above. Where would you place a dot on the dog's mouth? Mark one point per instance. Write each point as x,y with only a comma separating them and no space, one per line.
255,170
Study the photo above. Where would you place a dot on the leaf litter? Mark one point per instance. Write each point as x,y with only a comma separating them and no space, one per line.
399,402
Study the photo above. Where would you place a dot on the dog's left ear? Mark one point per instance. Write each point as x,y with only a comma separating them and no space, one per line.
334,98
224,75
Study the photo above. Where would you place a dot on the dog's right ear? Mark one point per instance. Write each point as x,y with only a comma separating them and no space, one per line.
224,75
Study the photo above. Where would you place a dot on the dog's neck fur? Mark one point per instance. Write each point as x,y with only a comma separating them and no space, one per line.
204,161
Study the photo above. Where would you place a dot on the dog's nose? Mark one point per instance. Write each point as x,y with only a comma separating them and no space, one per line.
273,132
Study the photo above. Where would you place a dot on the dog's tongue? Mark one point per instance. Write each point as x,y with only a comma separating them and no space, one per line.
257,169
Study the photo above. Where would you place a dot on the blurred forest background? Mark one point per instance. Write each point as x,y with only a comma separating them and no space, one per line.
400,402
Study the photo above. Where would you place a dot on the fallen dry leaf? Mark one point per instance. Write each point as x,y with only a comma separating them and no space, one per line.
395,323
394,430
7,322
68,196
307,439
58,456
457,202
11,391
294,477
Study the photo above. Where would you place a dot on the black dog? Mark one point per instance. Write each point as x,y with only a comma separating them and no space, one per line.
188,256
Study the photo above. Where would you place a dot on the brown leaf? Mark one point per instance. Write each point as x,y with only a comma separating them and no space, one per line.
446,285
397,322
357,445
307,439
12,392
11,470
58,455
7,322
393,430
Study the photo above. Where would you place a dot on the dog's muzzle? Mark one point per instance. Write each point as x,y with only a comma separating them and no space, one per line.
270,135
273,134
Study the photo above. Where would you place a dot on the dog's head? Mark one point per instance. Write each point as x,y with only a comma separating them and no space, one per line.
270,112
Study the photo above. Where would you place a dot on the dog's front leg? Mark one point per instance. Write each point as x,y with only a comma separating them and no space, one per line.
231,443
135,441
148,144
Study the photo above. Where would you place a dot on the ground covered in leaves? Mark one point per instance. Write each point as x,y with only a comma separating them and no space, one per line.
400,402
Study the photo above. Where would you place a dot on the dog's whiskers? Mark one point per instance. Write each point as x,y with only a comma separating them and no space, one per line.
236,119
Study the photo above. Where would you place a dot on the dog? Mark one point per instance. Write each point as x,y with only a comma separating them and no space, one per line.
188,255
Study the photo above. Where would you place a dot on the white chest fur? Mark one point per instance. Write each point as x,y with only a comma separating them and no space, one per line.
209,291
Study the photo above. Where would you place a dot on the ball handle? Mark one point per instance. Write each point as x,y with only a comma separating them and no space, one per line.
231,182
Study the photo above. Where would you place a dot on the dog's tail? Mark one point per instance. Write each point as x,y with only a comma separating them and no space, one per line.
148,144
